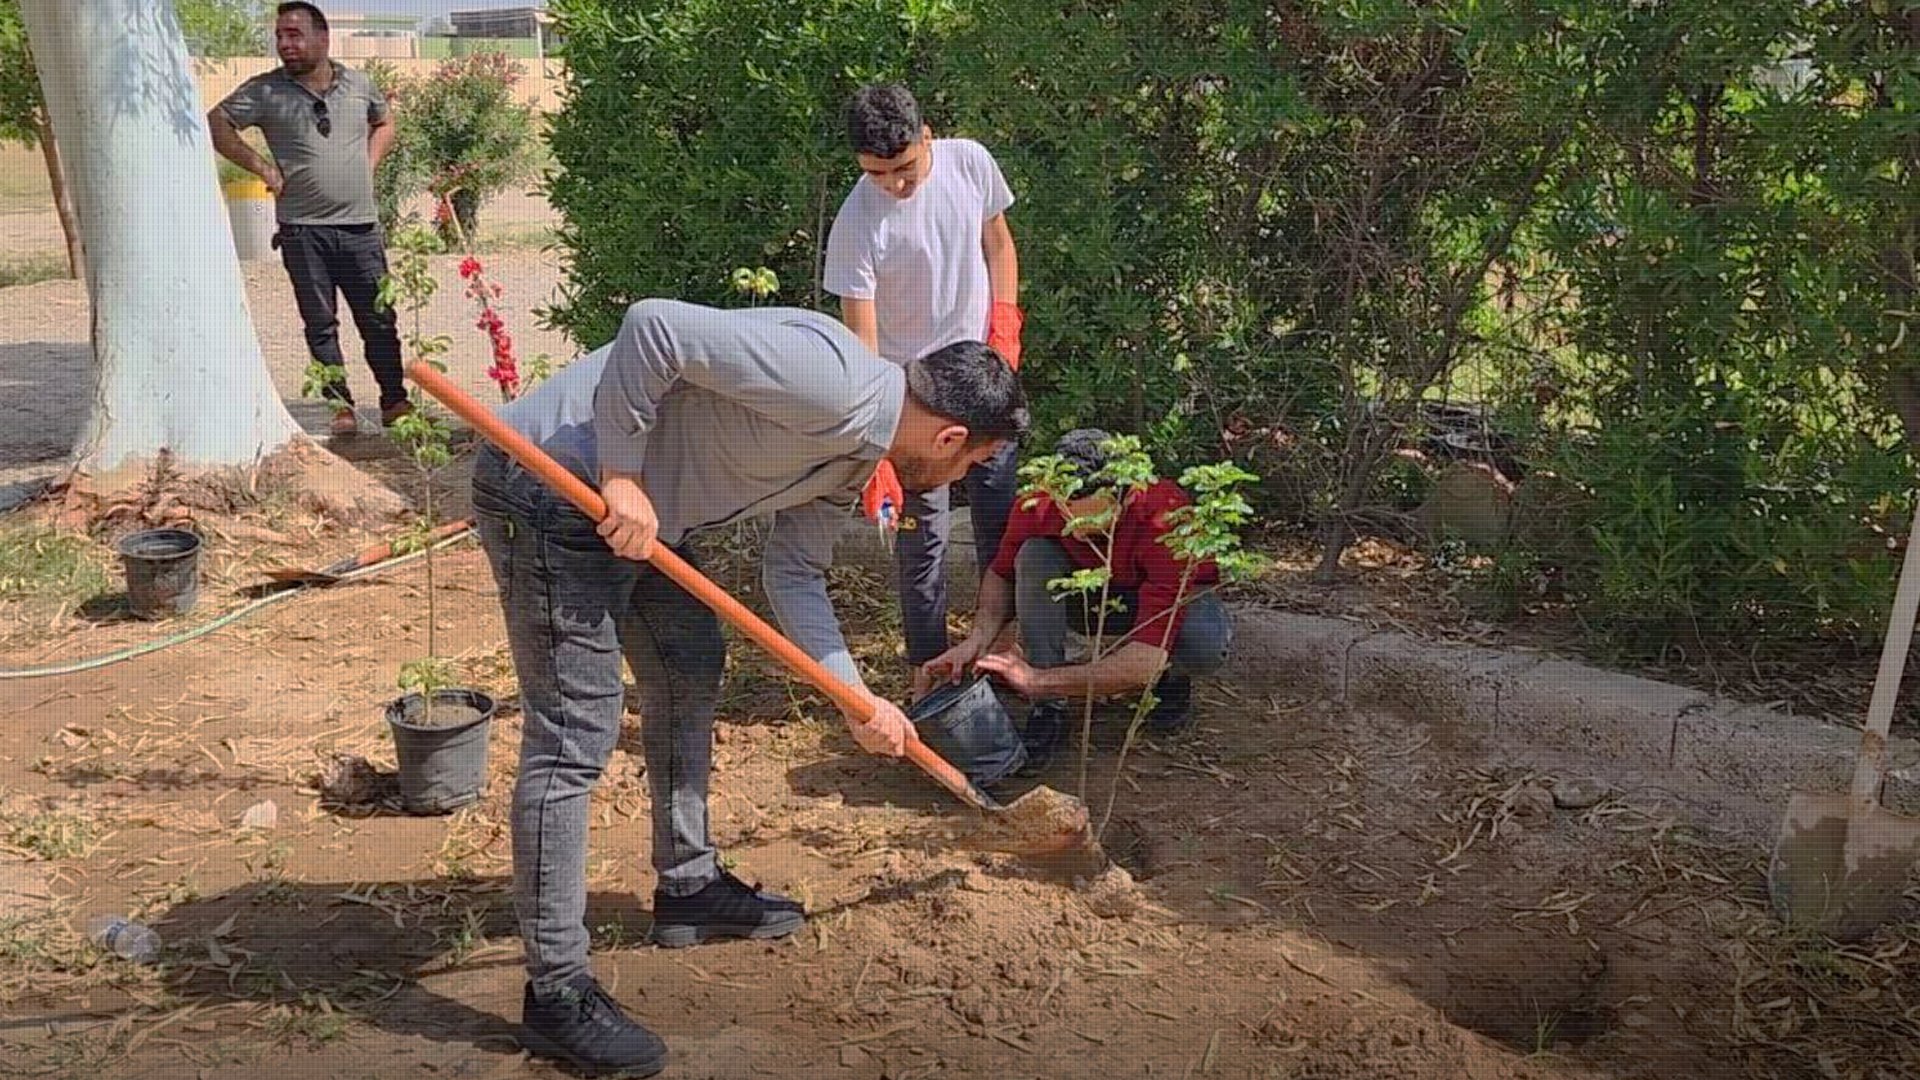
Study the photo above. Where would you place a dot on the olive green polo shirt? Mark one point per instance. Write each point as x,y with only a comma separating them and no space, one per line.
329,176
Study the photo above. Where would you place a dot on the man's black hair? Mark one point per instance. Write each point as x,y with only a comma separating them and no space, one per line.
1085,450
969,384
883,121
319,17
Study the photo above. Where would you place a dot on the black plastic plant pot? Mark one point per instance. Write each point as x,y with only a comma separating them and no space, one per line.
443,757
966,724
163,571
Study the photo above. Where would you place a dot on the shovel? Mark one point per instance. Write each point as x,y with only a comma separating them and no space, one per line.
1043,822
1841,862
378,553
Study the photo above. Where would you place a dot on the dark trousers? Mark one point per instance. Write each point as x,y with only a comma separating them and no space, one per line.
326,262
1200,647
920,553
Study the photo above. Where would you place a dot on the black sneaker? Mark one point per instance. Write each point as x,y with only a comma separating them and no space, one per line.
1174,711
583,1027
726,908
1045,735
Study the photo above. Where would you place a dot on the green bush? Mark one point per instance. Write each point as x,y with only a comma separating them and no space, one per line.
697,136
1683,277
402,174
1740,244
460,132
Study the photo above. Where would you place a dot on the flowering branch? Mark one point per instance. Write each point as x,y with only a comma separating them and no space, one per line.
505,369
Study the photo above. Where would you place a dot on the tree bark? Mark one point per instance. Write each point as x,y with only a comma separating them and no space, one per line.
62,196
179,367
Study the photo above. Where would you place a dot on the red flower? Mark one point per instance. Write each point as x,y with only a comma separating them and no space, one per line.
469,266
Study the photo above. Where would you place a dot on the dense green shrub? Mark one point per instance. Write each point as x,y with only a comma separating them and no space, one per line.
698,136
1739,234
460,133
1671,243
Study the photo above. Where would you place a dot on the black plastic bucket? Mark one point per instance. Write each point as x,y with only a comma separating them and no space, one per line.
442,767
163,571
966,724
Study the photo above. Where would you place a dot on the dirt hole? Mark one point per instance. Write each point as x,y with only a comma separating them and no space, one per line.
1532,995
1127,845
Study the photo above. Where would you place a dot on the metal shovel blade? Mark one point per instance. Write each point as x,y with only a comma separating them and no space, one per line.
1045,826
1841,864
297,575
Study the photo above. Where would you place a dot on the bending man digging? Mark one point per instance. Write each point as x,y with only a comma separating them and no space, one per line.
692,418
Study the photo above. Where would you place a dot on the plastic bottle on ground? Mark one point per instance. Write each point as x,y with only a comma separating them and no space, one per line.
124,938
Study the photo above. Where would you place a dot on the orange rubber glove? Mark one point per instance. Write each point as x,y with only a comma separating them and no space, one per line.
884,500
1003,331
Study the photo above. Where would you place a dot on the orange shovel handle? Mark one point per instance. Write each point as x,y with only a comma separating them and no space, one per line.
591,504
383,551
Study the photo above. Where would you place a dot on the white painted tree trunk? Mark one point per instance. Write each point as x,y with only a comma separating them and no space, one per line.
180,368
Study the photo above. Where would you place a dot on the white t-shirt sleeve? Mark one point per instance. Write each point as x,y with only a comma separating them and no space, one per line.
849,266
996,196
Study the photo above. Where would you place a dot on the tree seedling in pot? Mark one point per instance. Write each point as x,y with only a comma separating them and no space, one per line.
427,437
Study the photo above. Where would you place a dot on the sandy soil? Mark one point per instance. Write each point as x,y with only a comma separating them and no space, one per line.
1319,894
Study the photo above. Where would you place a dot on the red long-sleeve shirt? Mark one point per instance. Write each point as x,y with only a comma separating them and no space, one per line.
1140,560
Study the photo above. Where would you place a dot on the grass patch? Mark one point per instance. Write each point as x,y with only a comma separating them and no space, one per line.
514,237
32,269
51,836
28,940
40,944
313,1021
43,570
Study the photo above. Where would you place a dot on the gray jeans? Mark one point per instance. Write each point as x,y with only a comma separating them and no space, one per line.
573,609
920,553
1200,648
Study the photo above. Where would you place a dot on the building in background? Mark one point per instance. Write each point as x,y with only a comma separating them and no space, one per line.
522,32
358,36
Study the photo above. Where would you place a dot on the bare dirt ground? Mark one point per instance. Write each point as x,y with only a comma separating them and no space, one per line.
1320,893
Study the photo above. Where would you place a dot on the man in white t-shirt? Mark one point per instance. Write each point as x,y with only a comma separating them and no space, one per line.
921,257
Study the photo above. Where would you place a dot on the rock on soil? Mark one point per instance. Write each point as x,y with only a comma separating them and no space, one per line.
1579,793
1111,894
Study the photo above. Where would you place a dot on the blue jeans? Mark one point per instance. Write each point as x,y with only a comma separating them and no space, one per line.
920,553
1200,648
573,610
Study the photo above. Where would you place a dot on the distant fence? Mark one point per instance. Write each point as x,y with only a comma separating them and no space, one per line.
539,84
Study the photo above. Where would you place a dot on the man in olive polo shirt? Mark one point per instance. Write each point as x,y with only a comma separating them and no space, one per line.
328,127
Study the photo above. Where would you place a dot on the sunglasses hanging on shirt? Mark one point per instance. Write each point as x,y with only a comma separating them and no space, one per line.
321,120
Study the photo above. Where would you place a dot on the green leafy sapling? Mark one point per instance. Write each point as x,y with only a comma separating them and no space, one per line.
1208,528
1128,470
757,285
320,378
427,436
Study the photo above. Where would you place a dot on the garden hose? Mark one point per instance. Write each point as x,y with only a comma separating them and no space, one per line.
207,628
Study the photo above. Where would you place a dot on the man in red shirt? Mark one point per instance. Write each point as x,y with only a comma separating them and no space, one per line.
1164,645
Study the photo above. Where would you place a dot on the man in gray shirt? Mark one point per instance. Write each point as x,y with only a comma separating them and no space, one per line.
692,418
328,128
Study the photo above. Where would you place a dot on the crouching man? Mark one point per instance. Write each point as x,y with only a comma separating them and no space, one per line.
1159,644
692,418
